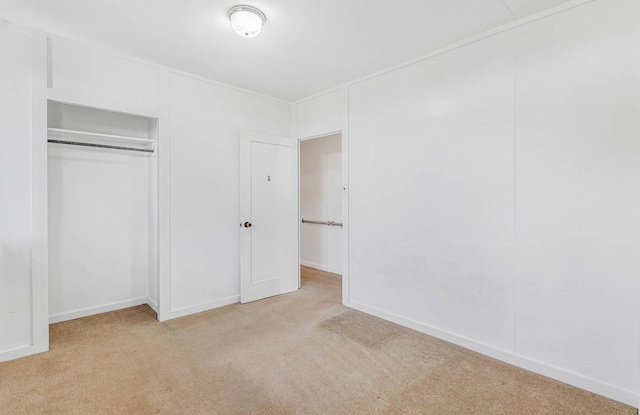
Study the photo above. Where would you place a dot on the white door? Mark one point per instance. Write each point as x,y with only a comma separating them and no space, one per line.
269,215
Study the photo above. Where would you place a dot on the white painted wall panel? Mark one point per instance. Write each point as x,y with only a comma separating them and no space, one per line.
321,200
524,8
206,121
320,115
578,191
99,208
574,309
15,189
431,175
84,76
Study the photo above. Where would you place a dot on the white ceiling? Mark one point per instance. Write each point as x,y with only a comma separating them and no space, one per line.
307,46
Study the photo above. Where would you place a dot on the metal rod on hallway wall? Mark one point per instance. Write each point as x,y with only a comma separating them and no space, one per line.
328,223
74,143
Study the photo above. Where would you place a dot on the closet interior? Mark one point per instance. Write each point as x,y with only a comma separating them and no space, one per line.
103,211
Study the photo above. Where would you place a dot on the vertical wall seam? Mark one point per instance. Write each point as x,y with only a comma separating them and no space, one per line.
32,110
346,146
515,172
510,11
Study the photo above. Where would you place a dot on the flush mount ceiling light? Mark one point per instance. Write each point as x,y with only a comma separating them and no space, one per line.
246,21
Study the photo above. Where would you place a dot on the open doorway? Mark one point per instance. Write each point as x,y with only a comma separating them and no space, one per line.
321,227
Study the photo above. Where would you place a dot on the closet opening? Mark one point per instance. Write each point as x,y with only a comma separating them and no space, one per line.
321,227
103,211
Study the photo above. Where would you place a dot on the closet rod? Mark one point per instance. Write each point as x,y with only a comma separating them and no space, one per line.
75,143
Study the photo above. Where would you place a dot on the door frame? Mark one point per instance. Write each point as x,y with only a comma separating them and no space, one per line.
345,209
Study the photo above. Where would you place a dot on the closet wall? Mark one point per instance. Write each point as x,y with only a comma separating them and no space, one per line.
101,213
103,207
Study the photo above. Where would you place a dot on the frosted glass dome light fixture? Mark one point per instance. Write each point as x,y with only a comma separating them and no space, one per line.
246,21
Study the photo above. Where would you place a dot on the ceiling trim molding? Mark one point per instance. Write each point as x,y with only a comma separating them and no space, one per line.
500,29
319,94
6,17
96,48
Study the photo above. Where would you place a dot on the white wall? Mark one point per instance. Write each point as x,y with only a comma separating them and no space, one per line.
321,200
98,230
206,122
84,76
432,191
494,196
321,115
578,192
15,189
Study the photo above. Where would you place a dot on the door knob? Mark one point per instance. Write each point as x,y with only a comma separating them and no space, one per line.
247,224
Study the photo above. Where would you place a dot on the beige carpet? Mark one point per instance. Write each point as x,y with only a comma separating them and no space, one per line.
301,353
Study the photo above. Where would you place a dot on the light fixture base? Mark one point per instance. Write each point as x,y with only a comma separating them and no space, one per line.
244,8
246,21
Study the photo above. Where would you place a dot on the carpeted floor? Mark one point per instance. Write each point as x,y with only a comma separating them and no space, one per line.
300,353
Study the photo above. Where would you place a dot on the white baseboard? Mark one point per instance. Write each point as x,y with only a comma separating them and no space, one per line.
19,352
320,267
562,375
181,312
153,304
90,311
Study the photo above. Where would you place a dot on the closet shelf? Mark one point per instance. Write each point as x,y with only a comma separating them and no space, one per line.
59,133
